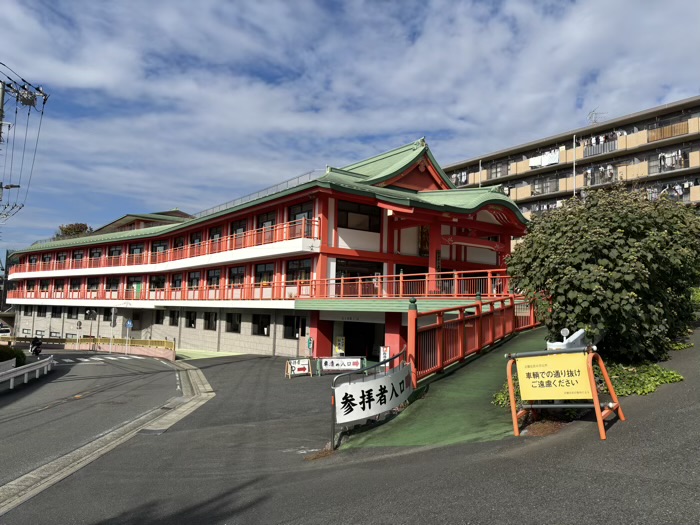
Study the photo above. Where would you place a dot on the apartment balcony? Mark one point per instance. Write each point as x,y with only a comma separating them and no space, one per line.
668,131
242,246
443,285
600,149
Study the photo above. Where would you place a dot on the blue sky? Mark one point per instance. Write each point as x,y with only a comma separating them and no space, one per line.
171,104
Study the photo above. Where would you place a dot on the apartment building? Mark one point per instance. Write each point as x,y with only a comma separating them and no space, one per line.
320,264
656,150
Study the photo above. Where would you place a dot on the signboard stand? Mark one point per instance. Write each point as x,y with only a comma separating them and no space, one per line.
298,367
553,385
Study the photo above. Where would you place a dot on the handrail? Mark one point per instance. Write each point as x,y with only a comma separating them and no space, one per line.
10,375
452,285
297,229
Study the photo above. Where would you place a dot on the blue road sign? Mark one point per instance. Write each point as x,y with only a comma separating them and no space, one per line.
129,323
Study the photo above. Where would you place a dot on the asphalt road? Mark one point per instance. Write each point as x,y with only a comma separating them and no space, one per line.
84,396
243,457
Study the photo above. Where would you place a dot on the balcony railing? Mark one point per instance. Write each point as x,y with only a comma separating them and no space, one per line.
668,131
444,285
599,149
302,228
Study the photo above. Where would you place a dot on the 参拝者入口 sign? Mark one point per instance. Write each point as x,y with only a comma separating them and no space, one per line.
365,399
556,376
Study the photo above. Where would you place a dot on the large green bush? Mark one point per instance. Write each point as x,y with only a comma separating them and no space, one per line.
616,264
9,352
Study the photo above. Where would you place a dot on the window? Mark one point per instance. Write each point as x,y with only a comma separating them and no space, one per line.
72,312
112,283
39,333
26,331
157,282
176,281
266,220
135,249
294,326
59,284
44,285
236,276
215,233
196,238
75,285
46,258
61,257
190,319
159,246
107,315
359,217
159,317
54,334
115,251
213,277
193,280
210,319
41,311
301,211
56,312
233,323
28,310
179,242
238,227
264,272
93,283
78,256
261,324
95,253
31,285
174,317
299,270
71,336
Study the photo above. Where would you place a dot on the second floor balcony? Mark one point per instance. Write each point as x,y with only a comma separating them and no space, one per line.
299,229
443,285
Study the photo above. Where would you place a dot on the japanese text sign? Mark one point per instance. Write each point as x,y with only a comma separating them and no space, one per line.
364,399
556,376
298,367
341,364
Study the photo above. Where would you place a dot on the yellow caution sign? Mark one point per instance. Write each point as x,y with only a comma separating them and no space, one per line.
556,376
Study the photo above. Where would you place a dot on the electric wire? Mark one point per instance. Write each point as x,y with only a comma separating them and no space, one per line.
24,151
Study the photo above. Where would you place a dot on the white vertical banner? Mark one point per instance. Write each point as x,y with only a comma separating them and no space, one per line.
365,399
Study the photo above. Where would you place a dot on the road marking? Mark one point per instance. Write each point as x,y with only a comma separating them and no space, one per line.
154,421
136,357
83,359
112,358
67,360
97,359
123,357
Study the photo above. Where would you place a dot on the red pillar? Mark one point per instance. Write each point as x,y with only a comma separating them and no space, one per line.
435,245
393,334
322,334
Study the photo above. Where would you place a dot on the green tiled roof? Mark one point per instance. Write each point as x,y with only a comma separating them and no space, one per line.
359,179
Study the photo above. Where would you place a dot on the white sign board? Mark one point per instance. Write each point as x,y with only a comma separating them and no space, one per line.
298,367
362,400
340,364
384,354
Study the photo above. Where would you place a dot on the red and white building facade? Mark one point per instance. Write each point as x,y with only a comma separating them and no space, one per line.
293,270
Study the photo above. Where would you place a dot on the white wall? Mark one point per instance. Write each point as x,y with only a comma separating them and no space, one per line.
409,241
481,255
358,240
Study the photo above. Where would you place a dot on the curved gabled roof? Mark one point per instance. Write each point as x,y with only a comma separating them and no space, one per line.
362,178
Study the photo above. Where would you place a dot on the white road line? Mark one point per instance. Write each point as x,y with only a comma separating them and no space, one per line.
83,359
112,358
137,357
97,359
67,360
123,357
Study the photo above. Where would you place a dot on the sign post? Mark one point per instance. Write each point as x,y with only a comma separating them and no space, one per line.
561,376
129,326
112,324
79,325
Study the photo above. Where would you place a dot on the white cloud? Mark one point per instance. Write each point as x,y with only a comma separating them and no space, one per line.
159,104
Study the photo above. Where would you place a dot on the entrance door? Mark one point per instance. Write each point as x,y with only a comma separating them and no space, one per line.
359,339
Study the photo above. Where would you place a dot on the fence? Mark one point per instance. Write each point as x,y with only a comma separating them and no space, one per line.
45,364
440,338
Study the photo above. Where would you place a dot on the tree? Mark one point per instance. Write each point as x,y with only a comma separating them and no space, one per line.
616,264
67,231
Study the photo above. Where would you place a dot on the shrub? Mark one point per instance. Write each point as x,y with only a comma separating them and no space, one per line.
617,265
10,352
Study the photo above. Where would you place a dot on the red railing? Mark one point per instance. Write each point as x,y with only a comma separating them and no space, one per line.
449,335
445,285
493,283
302,228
